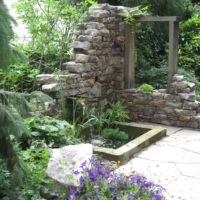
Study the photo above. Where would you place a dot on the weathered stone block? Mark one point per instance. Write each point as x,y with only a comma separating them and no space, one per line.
149,111
188,97
89,83
177,78
81,58
193,124
83,38
96,90
53,87
108,20
74,67
80,45
94,25
45,78
185,112
100,13
158,103
185,118
188,105
160,116
172,104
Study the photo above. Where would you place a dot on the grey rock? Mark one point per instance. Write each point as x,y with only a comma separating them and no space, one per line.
188,97
83,38
173,104
74,67
80,45
64,161
45,78
95,25
188,105
100,13
191,85
81,58
53,87
177,78
96,90
92,32
185,112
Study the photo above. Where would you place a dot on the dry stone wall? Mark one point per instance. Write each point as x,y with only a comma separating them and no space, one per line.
178,107
96,65
96,72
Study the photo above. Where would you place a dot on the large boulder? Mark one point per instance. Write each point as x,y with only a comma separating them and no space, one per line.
64,161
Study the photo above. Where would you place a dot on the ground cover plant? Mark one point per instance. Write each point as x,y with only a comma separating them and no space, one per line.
100,182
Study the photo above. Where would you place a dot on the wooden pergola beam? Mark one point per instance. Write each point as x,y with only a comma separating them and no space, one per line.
157,18
173,50
130,49
130,58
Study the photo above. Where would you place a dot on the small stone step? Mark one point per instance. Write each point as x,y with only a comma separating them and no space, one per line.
52,87
51,78
74,67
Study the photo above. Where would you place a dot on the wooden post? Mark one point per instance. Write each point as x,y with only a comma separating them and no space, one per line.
130,58
173,50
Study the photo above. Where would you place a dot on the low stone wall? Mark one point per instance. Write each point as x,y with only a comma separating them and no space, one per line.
178,107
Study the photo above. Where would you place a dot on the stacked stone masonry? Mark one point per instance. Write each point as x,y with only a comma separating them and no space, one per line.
96,65
177,107
96,72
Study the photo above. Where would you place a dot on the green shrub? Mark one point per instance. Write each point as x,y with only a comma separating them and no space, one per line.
19,78
35,159
53,131
5,181
189,42
146,87
116,112
116,134
107,118
155,76
51,25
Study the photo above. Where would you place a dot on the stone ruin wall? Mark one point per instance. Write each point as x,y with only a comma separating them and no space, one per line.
96,72
96,65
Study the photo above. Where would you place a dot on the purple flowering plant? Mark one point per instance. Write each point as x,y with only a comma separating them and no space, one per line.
100,182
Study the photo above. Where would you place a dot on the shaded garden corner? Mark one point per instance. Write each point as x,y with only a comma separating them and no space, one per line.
98,73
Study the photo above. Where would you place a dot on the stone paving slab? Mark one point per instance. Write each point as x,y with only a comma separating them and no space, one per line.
173,162
184,188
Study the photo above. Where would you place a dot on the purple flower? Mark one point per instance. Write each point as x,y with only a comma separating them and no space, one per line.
130,196
76,172
73,191
116,187
157,197
112,188
83,164
90,195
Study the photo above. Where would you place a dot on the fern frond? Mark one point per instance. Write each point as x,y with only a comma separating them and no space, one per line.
39,97
10,123
16,101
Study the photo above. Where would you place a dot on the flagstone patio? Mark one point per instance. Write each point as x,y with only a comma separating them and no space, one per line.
173,162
